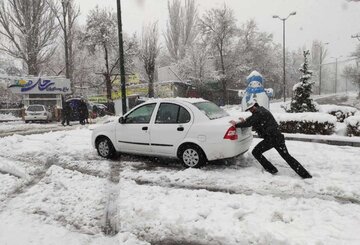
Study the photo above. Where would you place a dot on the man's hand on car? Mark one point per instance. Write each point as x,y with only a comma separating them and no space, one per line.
232,122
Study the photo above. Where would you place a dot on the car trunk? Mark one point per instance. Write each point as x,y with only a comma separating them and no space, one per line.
224,125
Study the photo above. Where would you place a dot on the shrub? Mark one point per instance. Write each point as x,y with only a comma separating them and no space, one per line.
353,125
340,112
306,123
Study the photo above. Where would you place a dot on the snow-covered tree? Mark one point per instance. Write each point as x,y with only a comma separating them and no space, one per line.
301,101
30,29
256,50
218,26
181,28
149,51
352,73
196,64
101,35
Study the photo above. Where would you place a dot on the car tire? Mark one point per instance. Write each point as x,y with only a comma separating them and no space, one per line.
105,148
26,121
192,156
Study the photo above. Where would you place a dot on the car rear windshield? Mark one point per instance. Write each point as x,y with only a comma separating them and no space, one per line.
35,108
211,110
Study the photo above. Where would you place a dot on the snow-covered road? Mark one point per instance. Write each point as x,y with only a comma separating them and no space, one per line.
56,190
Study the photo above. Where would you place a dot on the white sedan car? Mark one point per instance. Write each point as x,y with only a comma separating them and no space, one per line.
37,113
193,130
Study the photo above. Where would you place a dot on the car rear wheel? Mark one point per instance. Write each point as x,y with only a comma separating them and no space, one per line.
105,148
192,156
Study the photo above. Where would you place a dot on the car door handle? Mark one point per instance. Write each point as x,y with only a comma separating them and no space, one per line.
144,128
181,128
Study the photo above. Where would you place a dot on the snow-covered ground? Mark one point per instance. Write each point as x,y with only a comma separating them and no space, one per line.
56,190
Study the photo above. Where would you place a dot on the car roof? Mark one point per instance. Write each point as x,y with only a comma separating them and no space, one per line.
177,99
36,105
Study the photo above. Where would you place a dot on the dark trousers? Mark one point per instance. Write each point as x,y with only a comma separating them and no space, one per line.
65,119
280,146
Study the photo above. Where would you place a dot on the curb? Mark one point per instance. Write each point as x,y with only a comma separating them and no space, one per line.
322,141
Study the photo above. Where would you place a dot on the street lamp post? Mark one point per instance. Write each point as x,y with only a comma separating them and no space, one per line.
321,59
283,20
336,68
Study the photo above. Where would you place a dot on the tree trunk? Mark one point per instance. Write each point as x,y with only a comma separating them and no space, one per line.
223,79
151,86
107,74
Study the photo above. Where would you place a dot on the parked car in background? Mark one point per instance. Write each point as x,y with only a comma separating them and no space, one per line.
37,113
98,110
193,130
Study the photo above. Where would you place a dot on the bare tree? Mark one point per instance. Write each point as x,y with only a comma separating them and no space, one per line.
30,28
149,52
66,13
181,28
219,27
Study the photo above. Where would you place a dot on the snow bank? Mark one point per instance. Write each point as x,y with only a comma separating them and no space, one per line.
204,217
353,121
70,198
9,117
333,108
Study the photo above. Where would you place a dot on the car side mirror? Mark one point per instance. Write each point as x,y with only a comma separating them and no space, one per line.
121,120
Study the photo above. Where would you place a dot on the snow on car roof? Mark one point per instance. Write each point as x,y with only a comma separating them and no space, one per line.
189,100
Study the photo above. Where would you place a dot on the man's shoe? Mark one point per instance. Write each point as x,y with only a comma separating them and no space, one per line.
272,171
307,176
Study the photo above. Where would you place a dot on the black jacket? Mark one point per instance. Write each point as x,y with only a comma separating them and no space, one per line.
263,122
66,108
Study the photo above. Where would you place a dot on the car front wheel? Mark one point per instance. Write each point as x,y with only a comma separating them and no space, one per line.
105,148
192,156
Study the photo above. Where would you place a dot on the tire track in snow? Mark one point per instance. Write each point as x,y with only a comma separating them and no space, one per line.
110,227
247,191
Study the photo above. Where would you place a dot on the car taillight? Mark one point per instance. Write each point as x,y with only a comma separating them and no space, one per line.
231,134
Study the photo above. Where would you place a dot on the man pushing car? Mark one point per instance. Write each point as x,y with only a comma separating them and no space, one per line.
267,128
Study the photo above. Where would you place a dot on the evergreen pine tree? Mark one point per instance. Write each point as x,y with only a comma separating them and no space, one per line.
301,101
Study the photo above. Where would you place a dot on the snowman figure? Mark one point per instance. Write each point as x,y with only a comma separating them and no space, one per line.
255,90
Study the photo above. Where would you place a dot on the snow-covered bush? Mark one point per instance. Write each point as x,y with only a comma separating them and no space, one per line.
353,125
306,123
341,112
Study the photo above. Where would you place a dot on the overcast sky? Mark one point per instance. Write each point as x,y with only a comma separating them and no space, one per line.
332,21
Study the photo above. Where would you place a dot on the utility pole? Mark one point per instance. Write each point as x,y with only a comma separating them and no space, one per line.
121,61
321,60
65,4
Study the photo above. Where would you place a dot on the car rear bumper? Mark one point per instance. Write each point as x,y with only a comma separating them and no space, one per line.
35,118
228,148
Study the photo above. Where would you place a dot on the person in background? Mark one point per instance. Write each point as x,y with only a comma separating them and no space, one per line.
111,107
267,128
83,111
65,113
